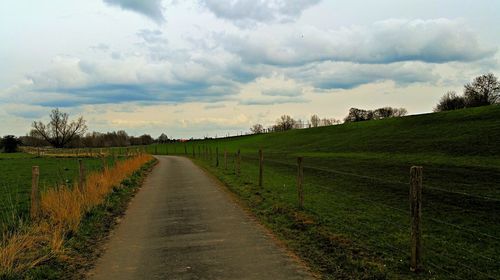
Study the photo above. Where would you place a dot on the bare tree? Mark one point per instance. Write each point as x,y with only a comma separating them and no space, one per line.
484,90
284,123
315,120
257,128
59,131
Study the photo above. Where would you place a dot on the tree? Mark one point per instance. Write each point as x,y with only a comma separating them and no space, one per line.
358,115
450,101
315,120
284,123
163,138
9,144
484,90
59,131
257,128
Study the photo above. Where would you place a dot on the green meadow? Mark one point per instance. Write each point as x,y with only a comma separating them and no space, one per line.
15,180
356,220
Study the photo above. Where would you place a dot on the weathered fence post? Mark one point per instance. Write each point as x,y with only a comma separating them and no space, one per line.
238,163
81,175
35,195
300,181
104,163
216,156
261,167
416,215
225,159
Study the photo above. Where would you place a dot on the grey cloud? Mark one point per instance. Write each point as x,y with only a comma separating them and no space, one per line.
272,101
345,75
149,8
247,12
431,41
290,92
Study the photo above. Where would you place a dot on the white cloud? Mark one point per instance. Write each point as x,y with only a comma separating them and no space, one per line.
432,41
249,12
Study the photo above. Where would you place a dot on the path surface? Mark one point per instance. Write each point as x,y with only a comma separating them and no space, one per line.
182,225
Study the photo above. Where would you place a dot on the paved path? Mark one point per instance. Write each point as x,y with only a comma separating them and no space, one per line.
182,225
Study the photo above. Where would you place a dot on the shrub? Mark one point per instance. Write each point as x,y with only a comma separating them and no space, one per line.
450,101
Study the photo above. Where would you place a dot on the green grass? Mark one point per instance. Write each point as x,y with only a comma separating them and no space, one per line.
15,180
84,245
356,218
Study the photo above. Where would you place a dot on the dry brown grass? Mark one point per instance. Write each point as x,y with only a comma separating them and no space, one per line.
62,209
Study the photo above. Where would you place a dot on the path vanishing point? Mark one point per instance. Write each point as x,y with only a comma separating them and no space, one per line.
183,225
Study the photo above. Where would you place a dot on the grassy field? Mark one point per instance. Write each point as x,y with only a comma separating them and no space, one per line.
355,223
15,180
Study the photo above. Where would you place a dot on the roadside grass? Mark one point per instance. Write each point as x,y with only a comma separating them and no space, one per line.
42,241
15,180
356,221
83,246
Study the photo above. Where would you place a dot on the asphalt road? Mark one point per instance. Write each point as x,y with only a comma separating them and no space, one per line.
183,225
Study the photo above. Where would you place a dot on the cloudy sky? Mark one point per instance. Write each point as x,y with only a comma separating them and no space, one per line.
212,67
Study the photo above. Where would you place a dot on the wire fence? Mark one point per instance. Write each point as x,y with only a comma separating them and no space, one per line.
376,209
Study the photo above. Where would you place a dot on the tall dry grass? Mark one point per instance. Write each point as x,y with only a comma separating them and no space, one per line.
62,209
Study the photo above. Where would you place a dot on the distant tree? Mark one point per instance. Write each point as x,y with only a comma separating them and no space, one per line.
146,139
357,115
163,138
9,144
257,128
315,120
284,123
484,90
59,131
450,101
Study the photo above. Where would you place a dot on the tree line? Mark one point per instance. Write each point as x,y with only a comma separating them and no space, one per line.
60,132
482,91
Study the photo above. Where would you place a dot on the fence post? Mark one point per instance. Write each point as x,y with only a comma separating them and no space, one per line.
81,174
300,181
216,156
238,163
261,167
416,215
35,195
225,159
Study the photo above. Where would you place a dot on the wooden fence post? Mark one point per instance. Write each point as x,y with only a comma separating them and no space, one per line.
416,215
225,159
81,175
300,181
35,195
238,163
216,156
261,167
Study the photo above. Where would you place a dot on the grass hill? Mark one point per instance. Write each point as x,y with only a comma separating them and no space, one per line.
355,222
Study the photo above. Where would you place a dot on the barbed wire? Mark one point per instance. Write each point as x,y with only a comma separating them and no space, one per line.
456,262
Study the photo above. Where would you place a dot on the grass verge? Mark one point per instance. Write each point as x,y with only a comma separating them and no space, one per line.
61,244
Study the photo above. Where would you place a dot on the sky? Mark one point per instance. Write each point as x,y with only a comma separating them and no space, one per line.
197,68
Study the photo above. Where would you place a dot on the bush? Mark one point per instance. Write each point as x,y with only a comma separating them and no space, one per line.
9,144
450,101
